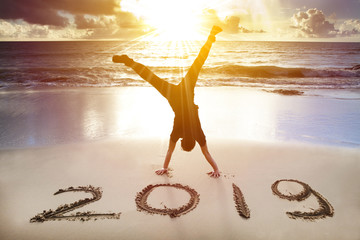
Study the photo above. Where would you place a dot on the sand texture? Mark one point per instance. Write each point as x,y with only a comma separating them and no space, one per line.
128,183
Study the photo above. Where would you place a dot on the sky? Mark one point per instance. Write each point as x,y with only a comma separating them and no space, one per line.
276,20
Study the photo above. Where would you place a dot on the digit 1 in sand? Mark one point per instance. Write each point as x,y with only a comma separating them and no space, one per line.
240,204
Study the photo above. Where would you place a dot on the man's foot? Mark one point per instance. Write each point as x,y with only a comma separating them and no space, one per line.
214,174
215,30
161,171
121,59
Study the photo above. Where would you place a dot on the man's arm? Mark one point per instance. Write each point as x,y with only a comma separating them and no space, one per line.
211,161
167,158
193,73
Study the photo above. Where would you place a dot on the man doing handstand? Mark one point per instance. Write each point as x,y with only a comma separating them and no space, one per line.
181,99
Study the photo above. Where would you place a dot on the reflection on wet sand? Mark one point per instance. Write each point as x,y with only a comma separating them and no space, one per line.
57,116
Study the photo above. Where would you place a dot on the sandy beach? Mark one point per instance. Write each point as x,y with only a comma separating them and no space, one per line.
264,97
109,138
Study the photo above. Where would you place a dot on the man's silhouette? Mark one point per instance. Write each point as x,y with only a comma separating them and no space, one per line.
181,99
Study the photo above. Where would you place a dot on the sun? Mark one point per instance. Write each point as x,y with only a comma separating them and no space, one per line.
172,20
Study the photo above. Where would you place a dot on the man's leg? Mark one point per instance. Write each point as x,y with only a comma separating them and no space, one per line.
161,85
193,73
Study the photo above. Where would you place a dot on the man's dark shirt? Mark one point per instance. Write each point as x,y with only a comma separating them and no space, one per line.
186,122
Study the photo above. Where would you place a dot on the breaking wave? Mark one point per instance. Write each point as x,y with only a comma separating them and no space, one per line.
281,72
266,71
225,75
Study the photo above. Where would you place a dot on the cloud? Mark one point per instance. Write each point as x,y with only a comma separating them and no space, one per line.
313,23
128,20
231,24
350,27
93,18
122,25
42,18
119,26
87,13
344,9
19,29
47,12
93,22
91,7
32,11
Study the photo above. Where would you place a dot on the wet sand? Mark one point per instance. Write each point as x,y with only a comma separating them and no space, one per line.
50,116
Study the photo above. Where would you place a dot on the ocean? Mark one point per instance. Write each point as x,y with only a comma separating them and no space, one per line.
264,65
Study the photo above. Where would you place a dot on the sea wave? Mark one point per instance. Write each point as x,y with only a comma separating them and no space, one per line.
224,75
281,72
267,71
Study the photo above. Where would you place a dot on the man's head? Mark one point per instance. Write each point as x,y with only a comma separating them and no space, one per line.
188,144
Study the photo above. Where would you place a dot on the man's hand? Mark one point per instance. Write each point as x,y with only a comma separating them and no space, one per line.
214,174
161,171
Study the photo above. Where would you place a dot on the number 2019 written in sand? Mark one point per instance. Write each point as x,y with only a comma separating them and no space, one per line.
324,210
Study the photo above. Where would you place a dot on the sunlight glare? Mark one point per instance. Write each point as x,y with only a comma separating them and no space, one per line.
172,20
